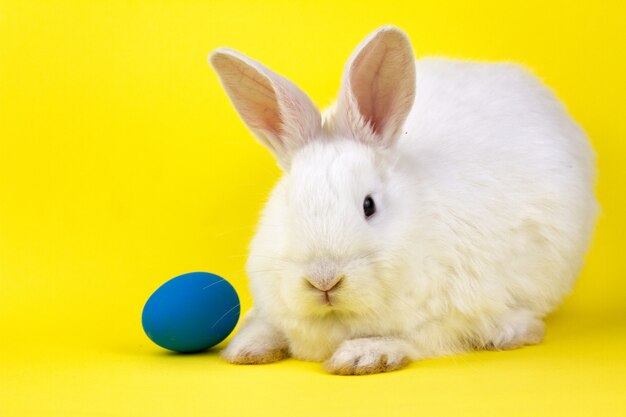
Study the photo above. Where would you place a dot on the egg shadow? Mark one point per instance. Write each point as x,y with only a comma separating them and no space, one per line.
214,351
150,350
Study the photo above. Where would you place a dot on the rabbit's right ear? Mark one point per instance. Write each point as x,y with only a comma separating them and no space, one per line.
279,114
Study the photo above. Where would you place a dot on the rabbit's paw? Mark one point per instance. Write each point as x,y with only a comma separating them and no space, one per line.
256,343
367,356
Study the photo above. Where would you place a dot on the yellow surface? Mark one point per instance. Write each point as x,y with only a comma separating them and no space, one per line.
122,164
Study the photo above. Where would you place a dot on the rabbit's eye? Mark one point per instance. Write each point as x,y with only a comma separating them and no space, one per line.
369,208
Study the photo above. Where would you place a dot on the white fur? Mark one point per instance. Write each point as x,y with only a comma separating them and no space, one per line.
485,209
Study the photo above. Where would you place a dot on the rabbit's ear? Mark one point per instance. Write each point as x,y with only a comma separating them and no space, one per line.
378,88
280,115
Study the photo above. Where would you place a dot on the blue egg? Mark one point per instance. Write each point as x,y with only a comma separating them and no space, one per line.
191,313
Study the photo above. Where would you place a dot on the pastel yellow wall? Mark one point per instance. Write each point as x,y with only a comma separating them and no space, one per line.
122,163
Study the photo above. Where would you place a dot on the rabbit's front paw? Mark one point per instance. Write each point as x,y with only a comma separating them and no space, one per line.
252,352
256,343
367,356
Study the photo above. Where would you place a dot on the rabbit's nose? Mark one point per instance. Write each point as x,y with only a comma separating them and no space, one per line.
325,283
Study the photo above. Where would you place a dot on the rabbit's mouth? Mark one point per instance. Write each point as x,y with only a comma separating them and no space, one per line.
324,299
328,298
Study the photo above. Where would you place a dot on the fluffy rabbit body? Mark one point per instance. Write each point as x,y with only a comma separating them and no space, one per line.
440,206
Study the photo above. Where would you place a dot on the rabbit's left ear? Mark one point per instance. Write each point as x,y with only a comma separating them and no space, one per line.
378,88
279,114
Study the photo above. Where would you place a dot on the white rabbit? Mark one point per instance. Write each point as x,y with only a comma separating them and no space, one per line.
440,206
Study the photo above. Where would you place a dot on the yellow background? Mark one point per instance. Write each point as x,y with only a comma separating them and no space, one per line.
122,164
